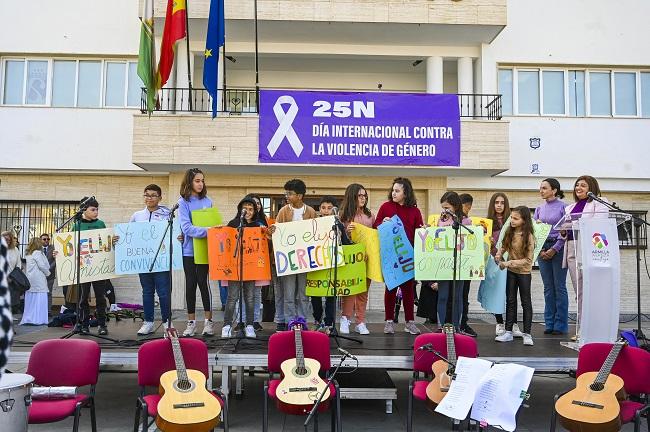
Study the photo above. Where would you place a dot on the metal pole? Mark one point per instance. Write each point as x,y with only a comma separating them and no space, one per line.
187,43
223,61
257,69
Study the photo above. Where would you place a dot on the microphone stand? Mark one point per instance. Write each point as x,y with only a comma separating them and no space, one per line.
330,378
638,223
168,228
77,232
334,332
441,357
456,225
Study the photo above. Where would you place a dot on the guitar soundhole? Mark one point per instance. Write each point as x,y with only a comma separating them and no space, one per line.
597,386
183,385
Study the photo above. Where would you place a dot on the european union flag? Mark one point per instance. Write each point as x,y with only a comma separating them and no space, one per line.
215,39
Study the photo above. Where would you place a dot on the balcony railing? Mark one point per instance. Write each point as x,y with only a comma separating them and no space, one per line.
244,100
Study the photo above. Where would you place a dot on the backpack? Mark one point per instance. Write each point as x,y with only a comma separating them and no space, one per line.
18,280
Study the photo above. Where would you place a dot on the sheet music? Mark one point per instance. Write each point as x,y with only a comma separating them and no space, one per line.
458,401
498,395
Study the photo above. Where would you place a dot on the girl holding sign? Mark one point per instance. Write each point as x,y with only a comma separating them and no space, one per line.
354,210
194,197
519,243
247,216
401,202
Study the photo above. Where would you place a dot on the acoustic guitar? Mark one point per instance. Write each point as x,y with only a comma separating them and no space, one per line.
443,371
593,405
301,385
186,405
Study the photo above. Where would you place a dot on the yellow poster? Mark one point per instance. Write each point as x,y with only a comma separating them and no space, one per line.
433,219
369,237
487,229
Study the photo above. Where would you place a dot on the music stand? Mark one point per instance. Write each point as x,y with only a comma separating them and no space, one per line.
571,223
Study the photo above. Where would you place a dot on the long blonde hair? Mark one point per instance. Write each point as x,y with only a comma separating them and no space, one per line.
34,245
10,244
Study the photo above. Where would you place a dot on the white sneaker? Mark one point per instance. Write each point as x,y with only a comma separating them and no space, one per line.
410,327
147,328
250,331
344,325
190,329
208,328
389,327
225,331
505,337
501,329
528,339
362,329
516,332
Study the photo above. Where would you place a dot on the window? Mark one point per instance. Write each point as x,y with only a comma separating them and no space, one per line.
645,94
600,94
553,83
90,75
115,84
63,83
70,83
627,234
576,93
528,92
505,88
14,82
625,90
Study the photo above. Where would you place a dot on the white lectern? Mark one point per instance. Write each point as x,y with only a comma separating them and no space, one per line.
598,261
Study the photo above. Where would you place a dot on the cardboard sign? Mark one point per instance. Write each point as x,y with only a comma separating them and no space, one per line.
96,254
434,254
208,217
137,246
369,237
350,279
224,265
540,231
304,246
397,263
487,228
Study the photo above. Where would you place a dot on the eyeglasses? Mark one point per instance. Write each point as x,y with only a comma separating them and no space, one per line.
150,196
45,239
362,195
291,193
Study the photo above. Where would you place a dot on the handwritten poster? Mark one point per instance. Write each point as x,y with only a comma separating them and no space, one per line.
350,279
224,265
304,246
96,254
208,217
540,231
369,237
137,246
396,253
487,229
434,254
433,219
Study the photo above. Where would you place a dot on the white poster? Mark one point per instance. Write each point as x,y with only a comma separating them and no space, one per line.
96,254
601,269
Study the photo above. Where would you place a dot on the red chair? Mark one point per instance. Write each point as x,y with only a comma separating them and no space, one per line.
282,347
64,362
632,366
154,359
422,361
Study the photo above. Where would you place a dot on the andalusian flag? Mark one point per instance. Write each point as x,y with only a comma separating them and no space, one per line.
147,58
174,30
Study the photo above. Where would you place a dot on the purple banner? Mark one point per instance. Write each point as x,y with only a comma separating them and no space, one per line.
304,127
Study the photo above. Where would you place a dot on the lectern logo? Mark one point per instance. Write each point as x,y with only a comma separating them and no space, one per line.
599,240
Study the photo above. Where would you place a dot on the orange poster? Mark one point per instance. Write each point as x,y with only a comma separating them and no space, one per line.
224,265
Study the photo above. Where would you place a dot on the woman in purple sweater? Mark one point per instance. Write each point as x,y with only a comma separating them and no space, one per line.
556,299
193,197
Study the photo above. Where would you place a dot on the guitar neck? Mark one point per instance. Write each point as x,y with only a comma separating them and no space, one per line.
178,359
300,356
606,368
451,347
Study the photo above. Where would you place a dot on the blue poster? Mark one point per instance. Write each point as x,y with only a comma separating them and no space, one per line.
138,243
492,291
397,263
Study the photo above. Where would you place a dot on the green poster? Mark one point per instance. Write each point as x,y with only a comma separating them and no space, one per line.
434,254
208,217
351,278
540,231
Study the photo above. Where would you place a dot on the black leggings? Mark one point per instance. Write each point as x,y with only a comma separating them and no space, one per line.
196,274
519,282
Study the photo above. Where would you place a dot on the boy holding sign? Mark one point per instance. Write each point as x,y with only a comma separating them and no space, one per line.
291,299
157,282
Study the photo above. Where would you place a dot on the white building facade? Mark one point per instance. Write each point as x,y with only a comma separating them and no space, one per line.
548,89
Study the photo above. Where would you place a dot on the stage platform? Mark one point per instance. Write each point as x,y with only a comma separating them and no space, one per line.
377,350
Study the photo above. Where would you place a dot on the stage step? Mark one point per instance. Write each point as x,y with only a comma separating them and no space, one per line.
368,384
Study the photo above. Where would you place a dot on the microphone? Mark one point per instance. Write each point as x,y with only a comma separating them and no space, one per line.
346,354
427,347
335,211
174,208
592,195
243,214
84,202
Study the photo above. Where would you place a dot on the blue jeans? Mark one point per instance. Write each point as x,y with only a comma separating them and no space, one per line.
223,294
444,291
556,300
155,283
